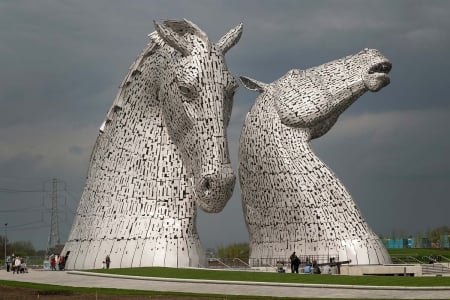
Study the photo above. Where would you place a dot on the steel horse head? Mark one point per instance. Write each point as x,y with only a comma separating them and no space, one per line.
197,94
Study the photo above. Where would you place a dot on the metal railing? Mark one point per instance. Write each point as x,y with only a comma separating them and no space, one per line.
241,262
227,263
406,259
216,263
269,262
304,260
442,258
435,268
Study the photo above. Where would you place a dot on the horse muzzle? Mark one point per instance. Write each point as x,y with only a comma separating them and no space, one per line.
213,190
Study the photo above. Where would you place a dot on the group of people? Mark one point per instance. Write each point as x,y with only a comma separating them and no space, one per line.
58,260
308,266
16,264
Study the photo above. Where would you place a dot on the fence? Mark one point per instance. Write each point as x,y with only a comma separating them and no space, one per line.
304,259
237,263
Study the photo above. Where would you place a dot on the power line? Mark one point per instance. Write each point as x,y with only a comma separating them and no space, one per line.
25,224
31,228
54,191
8,190
21,210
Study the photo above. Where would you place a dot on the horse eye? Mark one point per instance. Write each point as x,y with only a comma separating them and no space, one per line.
185,91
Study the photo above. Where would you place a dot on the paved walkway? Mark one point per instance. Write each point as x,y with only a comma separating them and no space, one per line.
85,279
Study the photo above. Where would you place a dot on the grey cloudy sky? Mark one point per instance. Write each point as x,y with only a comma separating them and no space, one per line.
62,61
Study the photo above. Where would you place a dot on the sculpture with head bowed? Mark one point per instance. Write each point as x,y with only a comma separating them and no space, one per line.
161,152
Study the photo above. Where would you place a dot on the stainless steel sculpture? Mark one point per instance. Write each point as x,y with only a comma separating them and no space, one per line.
292,201
161,151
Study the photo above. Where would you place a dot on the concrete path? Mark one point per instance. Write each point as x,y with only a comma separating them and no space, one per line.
85,279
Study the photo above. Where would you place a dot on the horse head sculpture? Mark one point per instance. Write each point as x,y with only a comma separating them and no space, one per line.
314,98
292,201
197,94
162,152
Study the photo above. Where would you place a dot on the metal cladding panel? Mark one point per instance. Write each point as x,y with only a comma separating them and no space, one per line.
128,254
91,256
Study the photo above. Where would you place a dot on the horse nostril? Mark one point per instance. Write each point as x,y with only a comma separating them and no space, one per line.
207,184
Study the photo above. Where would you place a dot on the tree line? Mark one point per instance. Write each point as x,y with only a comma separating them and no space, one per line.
21,248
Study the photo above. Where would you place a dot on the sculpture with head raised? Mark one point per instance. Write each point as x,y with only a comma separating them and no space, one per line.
292,201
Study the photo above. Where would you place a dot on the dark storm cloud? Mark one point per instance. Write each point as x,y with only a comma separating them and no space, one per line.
395,166
61,63
21,163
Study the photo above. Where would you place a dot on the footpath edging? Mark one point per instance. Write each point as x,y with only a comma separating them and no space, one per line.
256,283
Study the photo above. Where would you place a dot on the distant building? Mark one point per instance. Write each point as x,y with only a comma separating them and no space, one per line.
444,241
426,243
400,243
396,243
416,242
410,243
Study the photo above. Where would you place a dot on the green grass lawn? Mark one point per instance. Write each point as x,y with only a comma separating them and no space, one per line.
296,278
280,277
420,252
49,289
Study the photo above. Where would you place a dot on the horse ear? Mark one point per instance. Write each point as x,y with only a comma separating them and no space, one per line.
173,39
252,84
183,26
230,38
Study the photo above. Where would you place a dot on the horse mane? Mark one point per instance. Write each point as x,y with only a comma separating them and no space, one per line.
181,27
134,69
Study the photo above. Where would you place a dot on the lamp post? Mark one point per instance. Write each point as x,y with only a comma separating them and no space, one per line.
6,238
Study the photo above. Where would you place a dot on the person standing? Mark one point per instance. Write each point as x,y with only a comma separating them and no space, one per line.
17,264
56,262
296,264
61,263
292,259
53,262
8,263
107,261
